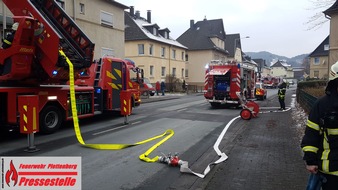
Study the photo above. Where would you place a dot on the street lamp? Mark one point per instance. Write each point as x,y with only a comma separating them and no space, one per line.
236,43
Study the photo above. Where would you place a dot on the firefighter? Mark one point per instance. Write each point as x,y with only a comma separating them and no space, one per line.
281,95
320,141
7,42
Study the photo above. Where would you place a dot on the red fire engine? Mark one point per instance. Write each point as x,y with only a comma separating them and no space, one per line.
271,82
35,65
224,79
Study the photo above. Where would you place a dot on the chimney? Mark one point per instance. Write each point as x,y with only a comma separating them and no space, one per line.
192,22
149,16
138,14
131,11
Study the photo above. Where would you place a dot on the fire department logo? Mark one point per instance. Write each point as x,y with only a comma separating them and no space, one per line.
40,173
11,175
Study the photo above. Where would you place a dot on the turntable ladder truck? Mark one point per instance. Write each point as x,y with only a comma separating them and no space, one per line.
35,65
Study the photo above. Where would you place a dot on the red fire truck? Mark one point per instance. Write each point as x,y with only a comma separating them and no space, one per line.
224,79
35,65
271,82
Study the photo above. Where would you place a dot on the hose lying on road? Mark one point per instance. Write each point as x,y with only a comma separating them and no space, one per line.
184,167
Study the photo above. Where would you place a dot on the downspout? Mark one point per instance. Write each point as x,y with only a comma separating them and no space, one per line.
169,61
169,78
328,61
74,10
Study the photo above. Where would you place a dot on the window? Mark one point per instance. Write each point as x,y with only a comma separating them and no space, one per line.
141,49
174,72
182,73
154,31
162,51
186,73
316,61
151,71
82,8
326,47
106,18
61,3
316,74
151,49
173,52
106,52
182,56
186,57
163,71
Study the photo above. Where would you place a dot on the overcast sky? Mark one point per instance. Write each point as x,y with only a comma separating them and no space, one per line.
277,26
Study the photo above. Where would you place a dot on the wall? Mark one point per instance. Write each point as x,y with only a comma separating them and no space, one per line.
322,67
89,22
155,60
196,66
333,55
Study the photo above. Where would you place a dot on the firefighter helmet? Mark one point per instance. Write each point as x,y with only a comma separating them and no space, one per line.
15,26
334,71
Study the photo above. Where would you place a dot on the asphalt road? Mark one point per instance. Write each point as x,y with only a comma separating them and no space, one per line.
196,125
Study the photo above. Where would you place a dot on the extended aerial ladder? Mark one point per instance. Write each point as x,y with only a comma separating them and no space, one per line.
54,30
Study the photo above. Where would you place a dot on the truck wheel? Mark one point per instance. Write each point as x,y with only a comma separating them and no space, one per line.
246,114
50,119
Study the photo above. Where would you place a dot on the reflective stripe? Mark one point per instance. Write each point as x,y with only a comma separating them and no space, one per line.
325,166
312,125
332,131
325,155
310,149
332,173
8,42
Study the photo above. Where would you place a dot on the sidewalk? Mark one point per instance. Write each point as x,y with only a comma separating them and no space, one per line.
167,96
264,152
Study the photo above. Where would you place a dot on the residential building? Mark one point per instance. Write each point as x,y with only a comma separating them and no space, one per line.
234,47
101,20
260,66
266,71
299,73
205,41
332,14
319,61
153,50
281,69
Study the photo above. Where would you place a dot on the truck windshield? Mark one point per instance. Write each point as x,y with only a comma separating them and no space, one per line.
133,74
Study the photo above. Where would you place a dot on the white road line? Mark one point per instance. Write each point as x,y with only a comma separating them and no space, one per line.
137,122
108,130
98,133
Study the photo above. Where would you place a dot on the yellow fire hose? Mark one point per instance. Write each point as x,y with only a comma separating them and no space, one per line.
168,133
184,168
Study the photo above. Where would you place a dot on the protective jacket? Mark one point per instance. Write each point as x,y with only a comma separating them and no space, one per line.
282,91
7,42
320,142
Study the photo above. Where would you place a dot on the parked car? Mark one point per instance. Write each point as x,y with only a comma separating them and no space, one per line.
260,91
147,88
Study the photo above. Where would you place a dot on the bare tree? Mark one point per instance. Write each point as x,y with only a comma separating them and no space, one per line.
318,19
